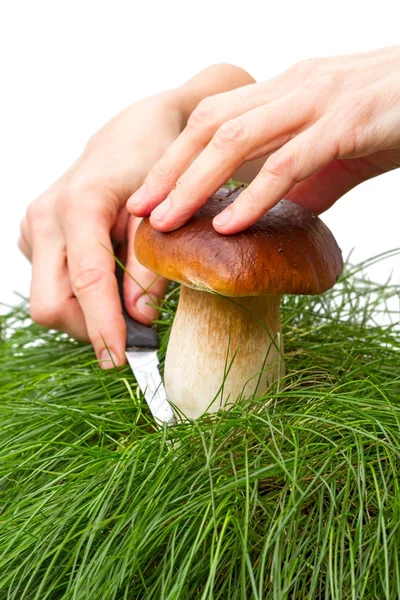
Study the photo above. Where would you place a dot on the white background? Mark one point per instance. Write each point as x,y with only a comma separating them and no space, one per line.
69,66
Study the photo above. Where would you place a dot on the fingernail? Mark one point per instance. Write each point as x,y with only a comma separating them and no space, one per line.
223,217
161,211
144,305
108,359
137,197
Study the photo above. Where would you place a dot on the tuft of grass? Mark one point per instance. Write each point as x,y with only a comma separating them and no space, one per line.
295,494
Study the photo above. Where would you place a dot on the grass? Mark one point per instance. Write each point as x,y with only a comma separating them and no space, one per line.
293,495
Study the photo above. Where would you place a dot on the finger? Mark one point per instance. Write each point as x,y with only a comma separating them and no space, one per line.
254,134
211,113
300,158
320,191
52,303
91,270
143,289
119,229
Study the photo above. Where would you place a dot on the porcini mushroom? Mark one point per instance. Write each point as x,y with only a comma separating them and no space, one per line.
226,339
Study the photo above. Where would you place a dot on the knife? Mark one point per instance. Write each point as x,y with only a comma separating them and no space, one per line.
142,344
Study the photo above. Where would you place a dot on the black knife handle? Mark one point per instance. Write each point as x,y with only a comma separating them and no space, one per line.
137,334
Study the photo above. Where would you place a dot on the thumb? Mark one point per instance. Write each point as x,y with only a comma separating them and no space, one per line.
143,289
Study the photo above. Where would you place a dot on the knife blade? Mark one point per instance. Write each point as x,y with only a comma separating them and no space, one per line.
142,344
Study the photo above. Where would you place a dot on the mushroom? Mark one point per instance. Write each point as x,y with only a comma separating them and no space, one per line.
226,340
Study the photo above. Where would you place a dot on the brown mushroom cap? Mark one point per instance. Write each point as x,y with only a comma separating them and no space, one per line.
288,251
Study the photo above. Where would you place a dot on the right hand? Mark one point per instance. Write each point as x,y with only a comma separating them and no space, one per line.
68,231
320,128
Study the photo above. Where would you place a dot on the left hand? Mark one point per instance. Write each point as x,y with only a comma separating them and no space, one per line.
323,127
68,231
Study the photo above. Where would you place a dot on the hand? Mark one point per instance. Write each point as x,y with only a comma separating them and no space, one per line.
323,127
68,232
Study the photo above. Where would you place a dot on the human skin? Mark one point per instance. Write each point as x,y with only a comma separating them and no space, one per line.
320,128
68,232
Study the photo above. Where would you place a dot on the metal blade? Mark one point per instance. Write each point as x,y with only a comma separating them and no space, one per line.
144,365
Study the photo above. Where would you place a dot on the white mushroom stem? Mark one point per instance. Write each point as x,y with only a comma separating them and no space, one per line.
222,349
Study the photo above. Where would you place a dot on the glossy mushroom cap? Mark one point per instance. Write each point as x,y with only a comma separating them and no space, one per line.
288,251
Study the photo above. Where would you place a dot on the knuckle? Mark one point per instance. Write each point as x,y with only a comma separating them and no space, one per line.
326,83
23,227
83,198
40,208
162,171
203,115
68,204
30,212
346,129
80,183
83,184
94,140
309,65
331,78
187,184
35,211
281,164
71,197
356,123
346,140
22,245
231,133
45,314
84,279
38,216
